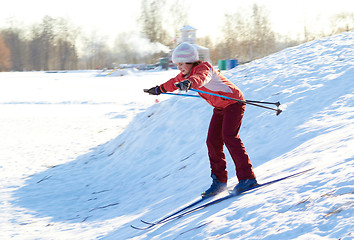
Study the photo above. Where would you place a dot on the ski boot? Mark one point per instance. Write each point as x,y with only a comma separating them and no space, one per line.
215,188
244,185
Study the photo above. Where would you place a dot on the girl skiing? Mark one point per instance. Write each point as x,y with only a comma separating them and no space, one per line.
225,122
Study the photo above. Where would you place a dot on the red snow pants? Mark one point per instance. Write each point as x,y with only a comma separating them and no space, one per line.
223,129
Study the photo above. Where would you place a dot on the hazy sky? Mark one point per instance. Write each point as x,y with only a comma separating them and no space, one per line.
109,17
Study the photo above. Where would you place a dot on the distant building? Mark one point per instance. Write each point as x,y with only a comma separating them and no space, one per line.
189,34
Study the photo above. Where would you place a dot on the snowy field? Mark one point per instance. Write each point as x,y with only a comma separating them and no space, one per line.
84,156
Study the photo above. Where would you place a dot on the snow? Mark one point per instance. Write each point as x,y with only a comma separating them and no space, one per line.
84,157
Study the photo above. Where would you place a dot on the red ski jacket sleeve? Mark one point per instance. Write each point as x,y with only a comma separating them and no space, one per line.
204,77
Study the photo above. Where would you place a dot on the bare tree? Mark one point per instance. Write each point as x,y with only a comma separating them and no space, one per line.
35,60
14,40
342,22
41,44
238,39
263,37
235,33
47,36
65,43
178,16
124,49
151,20
52,45
95,53
5,61
247,36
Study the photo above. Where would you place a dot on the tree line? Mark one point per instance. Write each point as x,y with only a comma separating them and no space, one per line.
54,43
48,45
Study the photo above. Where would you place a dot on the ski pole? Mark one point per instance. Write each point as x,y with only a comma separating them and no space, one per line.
273,103
248,101
178,94
278,111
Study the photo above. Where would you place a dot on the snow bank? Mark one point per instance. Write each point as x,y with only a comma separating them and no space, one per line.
159,162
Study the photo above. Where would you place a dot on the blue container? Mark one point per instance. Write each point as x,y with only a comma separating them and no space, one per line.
231,63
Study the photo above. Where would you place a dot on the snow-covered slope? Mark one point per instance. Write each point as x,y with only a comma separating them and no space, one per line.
159,162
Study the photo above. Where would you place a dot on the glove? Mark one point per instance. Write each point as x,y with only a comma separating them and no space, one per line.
153,91
184,85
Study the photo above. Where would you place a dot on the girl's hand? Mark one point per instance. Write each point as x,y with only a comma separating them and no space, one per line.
153,91
184,85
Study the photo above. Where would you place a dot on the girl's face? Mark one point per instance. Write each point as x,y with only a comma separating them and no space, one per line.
185,68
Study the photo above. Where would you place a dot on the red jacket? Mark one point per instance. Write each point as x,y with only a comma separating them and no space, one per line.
204,77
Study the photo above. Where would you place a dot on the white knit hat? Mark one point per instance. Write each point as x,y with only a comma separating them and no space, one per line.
185,53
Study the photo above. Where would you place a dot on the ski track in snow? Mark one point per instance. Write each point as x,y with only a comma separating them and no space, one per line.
84,157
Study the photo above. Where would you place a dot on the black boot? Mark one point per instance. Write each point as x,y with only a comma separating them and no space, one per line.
215,188
244,185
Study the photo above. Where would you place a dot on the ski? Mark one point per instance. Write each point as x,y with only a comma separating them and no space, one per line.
180,213
151,224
